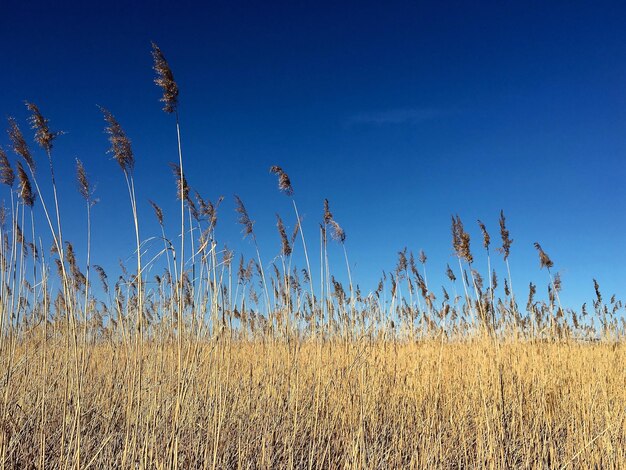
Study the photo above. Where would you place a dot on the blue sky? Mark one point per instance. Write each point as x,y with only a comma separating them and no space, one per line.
401,114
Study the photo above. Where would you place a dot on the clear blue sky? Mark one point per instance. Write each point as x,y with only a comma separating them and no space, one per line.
400,113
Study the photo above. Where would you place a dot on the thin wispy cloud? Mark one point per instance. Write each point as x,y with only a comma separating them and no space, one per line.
399,116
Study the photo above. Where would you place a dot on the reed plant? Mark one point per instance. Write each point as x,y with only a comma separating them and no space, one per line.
223,361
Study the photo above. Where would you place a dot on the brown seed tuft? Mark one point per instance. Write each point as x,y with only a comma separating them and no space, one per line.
25,190
544,259
157,211
506,240
43,135
19,144
461,240
103,277
120,143
328,215
244,218
84,187
337,233
284,183
7,176
165,79
181,183
486,237
286,247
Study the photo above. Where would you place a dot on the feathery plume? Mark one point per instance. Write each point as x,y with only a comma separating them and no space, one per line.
486,237
337,233
227,256
532,290
284,183
461,240
181,182
157,211
241,272
450,273
244,218
7,176
596,288
25,190
208,210
19,235
557,282
328,215
43,135
120,143
193,209
456,236
286,247
202,204
544,259
412,264
19,144
103,277
84,187
165,79
70,255
296,228
403,263
506,240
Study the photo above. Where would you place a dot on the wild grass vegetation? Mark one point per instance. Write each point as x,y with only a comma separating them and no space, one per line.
226,362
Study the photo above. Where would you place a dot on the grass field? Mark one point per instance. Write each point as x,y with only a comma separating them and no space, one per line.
358,404
225,362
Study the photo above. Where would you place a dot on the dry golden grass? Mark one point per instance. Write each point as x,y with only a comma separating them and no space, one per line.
314,405
188,361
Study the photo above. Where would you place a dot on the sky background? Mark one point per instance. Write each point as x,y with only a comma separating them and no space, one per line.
401,114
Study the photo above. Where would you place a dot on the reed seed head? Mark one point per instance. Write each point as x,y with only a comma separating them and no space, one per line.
43,135
486,237
337,233
296,229
158,212
557,282
103,277
506,240
165,80
450,273
596,288
84,187
284,183
461,240
208,210
286,247
181,183
244,218
25,190
120,144
19,144
403,263
7,176
328,215
544,259
532,290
